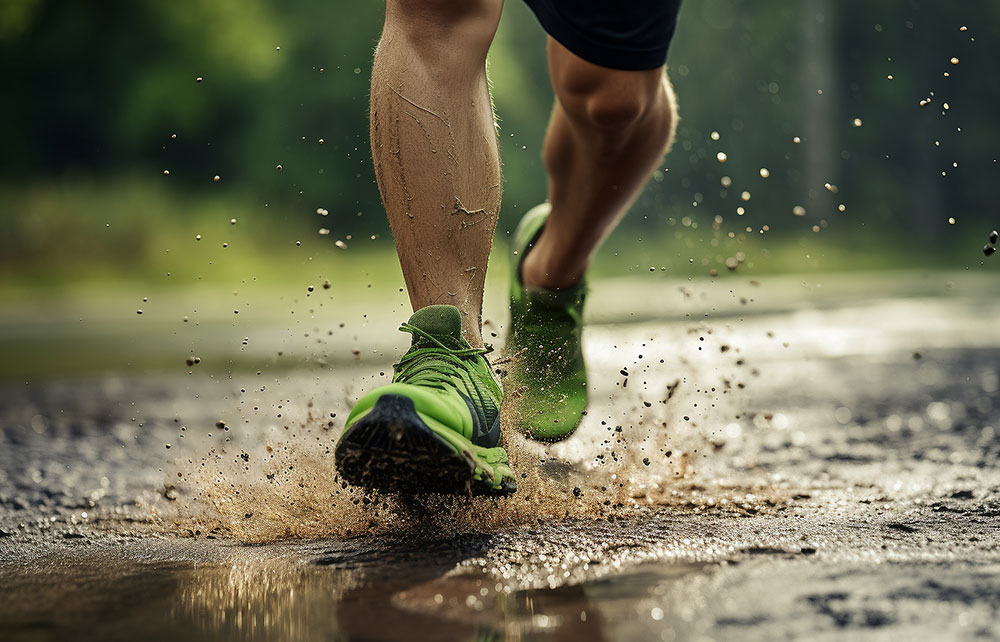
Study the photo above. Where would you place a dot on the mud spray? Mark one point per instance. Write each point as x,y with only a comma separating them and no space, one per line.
662,400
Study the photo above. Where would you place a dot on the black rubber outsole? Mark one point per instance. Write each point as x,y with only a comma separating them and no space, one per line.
391,449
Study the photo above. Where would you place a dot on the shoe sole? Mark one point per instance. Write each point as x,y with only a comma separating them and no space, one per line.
393,449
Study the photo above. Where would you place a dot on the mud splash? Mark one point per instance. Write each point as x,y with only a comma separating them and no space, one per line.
640,448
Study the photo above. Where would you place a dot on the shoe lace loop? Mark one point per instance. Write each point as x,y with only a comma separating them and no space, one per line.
433,365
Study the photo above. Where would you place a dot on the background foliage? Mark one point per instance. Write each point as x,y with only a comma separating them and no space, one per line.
96,91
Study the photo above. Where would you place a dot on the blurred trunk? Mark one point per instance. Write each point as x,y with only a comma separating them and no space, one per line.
925,207
818,73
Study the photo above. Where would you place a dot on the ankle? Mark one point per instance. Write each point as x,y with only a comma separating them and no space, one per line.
538,270
472,330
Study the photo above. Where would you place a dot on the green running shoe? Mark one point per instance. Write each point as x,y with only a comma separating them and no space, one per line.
547,369
436,427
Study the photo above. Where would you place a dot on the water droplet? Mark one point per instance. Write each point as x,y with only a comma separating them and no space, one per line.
798,210
166,172
721,157
989,249
138,311
232,221
764,172
857,122
341,244
322,212
277,167
197,237
216,178
715,136
954,60
198,79
993,236
796,140
951,220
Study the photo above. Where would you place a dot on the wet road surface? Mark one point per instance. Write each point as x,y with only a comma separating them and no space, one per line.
819,467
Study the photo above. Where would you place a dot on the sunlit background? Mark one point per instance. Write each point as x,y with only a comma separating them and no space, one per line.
149,147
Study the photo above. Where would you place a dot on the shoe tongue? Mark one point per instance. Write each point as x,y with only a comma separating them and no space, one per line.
443,322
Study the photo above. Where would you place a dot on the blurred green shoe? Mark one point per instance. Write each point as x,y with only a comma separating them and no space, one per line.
436,427
549,391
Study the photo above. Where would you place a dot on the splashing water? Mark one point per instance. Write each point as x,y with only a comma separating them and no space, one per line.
640,448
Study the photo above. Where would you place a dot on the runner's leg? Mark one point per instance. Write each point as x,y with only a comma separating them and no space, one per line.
434,148
608,131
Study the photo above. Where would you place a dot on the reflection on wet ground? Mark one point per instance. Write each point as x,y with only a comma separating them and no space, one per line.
786,475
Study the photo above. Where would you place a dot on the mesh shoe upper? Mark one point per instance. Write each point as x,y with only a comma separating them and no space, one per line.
545,345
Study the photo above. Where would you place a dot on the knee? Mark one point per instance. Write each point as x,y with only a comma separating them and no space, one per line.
467,26
610,99
611,110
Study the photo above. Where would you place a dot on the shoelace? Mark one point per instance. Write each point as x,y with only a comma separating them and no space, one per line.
433,366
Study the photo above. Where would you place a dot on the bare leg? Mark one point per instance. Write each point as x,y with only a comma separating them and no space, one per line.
608,131
434,146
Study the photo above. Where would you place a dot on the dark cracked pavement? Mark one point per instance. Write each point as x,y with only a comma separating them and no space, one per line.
792,459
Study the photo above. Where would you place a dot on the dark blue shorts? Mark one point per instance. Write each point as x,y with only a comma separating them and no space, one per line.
620,34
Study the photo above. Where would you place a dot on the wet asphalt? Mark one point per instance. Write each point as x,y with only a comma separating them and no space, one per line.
776,462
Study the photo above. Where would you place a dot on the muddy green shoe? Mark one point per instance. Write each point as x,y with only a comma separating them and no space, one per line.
436,427
549,379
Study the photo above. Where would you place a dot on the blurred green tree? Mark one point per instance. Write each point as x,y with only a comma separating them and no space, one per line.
95,92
